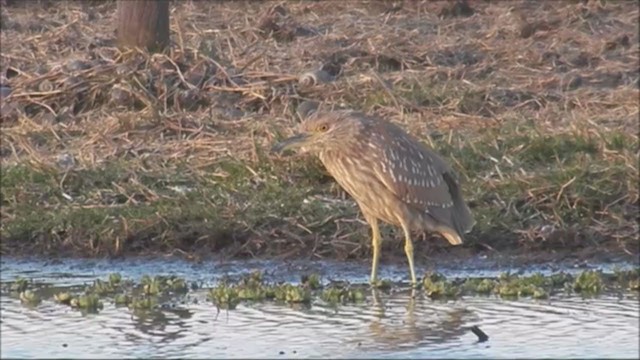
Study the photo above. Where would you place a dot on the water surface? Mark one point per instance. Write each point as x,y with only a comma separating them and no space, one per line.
394,325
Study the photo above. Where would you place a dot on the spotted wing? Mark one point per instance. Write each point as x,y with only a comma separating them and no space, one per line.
416,175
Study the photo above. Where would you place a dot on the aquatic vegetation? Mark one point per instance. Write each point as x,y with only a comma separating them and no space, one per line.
252,287
297,294
177,285
538,293
313,281
224,296
112,286
513,286
150,286
63,298
142,303
560,280
508,290
253,279
279,292
588,283
29,297
479,285
161,284
383,284
122,299
515,289
537,286
102,288
19,285
629,279
290,293
342,295
436,286
153,292
115,279
87,302
252,293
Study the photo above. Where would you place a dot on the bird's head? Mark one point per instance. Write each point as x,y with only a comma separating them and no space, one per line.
322,131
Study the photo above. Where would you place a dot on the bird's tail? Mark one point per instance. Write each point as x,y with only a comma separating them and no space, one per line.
461,216
463,220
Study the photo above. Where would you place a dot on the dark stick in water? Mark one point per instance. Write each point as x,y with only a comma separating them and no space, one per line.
482,337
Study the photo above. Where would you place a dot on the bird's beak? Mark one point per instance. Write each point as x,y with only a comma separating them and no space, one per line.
290,143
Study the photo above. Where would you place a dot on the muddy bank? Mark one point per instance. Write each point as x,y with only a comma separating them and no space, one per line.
427,255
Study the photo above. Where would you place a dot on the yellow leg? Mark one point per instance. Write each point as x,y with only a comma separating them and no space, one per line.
376,241
408,249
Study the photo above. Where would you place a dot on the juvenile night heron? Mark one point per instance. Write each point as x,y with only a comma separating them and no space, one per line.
392,176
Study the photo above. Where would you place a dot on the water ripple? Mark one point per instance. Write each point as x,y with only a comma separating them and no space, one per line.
385,326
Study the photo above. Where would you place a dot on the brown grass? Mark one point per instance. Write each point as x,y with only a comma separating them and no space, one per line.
534,103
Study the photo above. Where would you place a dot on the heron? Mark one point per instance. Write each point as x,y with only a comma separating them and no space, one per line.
393,177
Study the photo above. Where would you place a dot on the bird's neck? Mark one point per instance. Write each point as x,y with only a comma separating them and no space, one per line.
332,155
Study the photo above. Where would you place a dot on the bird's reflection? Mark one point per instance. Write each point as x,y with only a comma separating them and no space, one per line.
157,324
421,323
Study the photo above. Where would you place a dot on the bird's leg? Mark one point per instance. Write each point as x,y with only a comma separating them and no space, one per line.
408,249
376,241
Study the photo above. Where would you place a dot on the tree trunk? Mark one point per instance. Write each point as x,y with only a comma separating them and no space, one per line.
143,24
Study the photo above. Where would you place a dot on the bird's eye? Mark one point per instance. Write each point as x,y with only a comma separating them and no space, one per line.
323,128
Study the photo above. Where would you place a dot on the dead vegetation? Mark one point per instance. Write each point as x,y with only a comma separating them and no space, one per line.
110,152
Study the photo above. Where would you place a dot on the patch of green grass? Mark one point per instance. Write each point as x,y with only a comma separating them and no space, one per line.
101,204
517,177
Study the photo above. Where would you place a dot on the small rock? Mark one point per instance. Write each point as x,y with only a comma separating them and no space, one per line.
583,59
11,72
622,41
66,161
121,96
234,113
45,86
574,83
77,65
71,81
315,77
123,69
527,29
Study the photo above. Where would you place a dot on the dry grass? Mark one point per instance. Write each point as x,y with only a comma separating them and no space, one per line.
110,152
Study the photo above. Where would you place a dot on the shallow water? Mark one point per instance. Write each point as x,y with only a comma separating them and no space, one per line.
385,326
